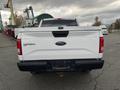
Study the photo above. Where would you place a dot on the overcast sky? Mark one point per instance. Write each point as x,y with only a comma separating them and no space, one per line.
84,10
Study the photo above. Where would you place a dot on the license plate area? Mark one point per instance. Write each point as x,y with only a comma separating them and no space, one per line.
61,65
61,68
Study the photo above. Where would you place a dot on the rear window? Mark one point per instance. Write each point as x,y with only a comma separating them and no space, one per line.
59,22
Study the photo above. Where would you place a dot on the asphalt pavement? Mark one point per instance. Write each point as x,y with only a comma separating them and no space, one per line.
107,78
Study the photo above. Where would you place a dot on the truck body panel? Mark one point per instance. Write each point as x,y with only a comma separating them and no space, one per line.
42,45
60,48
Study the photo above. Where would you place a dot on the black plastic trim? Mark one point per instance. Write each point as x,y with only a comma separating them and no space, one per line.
65,65
60,33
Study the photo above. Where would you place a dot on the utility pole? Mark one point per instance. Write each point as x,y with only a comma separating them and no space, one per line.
10,5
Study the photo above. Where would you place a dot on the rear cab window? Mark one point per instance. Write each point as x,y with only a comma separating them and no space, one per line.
104,28
59,22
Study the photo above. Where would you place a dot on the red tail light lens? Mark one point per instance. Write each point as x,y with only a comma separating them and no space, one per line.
19,46
101,46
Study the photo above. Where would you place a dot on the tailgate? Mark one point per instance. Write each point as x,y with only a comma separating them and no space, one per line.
52,45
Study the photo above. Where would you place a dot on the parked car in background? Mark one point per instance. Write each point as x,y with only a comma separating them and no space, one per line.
104,30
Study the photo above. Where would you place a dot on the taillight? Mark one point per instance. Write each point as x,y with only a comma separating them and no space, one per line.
101,45
19,46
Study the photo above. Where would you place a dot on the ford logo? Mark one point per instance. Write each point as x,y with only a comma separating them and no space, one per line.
60,43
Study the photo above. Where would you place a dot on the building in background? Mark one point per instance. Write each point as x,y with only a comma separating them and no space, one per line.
1,24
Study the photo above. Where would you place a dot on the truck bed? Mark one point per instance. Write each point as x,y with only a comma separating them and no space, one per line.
60,49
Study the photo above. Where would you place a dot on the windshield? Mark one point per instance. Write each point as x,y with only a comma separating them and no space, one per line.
54,23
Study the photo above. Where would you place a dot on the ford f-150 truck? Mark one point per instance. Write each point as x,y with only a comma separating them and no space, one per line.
60,45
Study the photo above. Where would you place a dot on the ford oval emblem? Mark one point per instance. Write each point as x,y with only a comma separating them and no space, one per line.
60,43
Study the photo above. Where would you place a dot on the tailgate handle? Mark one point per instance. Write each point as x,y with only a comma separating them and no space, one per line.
60,33
60,43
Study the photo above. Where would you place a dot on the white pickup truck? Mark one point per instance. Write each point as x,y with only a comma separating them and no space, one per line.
19,30
60,45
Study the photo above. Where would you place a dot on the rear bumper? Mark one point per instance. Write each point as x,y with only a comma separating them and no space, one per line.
60,65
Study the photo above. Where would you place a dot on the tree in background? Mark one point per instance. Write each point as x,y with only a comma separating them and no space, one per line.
117,24
97,22
18,19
